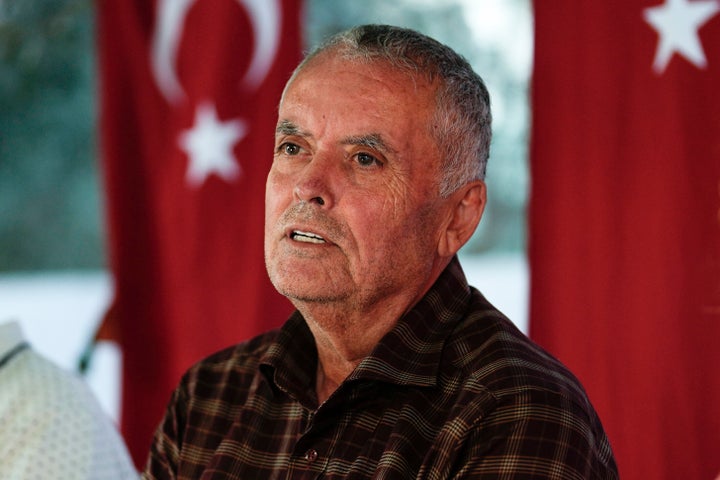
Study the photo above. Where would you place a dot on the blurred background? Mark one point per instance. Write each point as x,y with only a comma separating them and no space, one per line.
54,275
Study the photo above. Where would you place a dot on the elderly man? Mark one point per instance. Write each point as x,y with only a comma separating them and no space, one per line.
392,366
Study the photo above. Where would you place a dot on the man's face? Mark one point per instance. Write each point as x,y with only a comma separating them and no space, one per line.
352,209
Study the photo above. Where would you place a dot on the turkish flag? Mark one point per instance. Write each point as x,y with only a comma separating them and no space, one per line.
624,231
188,94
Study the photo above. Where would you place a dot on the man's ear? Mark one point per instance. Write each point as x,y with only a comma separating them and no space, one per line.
467,206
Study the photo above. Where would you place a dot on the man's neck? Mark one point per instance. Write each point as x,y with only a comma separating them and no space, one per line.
343,338
346,331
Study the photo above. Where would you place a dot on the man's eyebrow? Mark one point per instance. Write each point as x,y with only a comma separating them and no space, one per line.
286,127
372,140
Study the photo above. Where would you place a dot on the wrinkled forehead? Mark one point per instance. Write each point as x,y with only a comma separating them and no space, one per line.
346,90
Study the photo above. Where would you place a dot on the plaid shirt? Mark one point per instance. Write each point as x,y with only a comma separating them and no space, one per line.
453,391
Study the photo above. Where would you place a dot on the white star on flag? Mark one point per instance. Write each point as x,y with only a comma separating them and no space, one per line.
677,23
209,145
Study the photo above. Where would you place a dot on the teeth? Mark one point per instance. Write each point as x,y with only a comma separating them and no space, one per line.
307,237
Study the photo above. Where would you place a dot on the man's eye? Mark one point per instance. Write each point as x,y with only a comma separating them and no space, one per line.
289,149
367,160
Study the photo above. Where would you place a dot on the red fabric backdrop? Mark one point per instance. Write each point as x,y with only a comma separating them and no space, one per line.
189,91
625,221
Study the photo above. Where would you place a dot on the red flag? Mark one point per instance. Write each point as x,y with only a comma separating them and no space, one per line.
625,221
189,91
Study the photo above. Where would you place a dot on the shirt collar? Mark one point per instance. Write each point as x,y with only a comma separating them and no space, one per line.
290,362
407,355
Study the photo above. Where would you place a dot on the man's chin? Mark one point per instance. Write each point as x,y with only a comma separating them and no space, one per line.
300,296
302,281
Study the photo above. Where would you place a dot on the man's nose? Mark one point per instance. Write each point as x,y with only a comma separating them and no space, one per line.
314,183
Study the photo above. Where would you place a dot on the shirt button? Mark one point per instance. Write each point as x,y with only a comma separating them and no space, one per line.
311,455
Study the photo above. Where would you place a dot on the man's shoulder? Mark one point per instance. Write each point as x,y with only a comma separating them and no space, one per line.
491,351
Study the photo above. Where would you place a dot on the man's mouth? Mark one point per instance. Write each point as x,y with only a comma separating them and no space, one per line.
306,237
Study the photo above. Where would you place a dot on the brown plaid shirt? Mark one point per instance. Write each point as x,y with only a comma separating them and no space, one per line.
453,391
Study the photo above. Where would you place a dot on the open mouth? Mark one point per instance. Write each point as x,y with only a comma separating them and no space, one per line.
306,237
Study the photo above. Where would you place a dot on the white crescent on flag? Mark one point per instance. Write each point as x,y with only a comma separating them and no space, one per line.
265,17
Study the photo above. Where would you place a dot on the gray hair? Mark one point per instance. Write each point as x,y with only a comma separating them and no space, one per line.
462,113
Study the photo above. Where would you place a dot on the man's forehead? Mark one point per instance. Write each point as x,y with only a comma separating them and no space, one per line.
356,102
